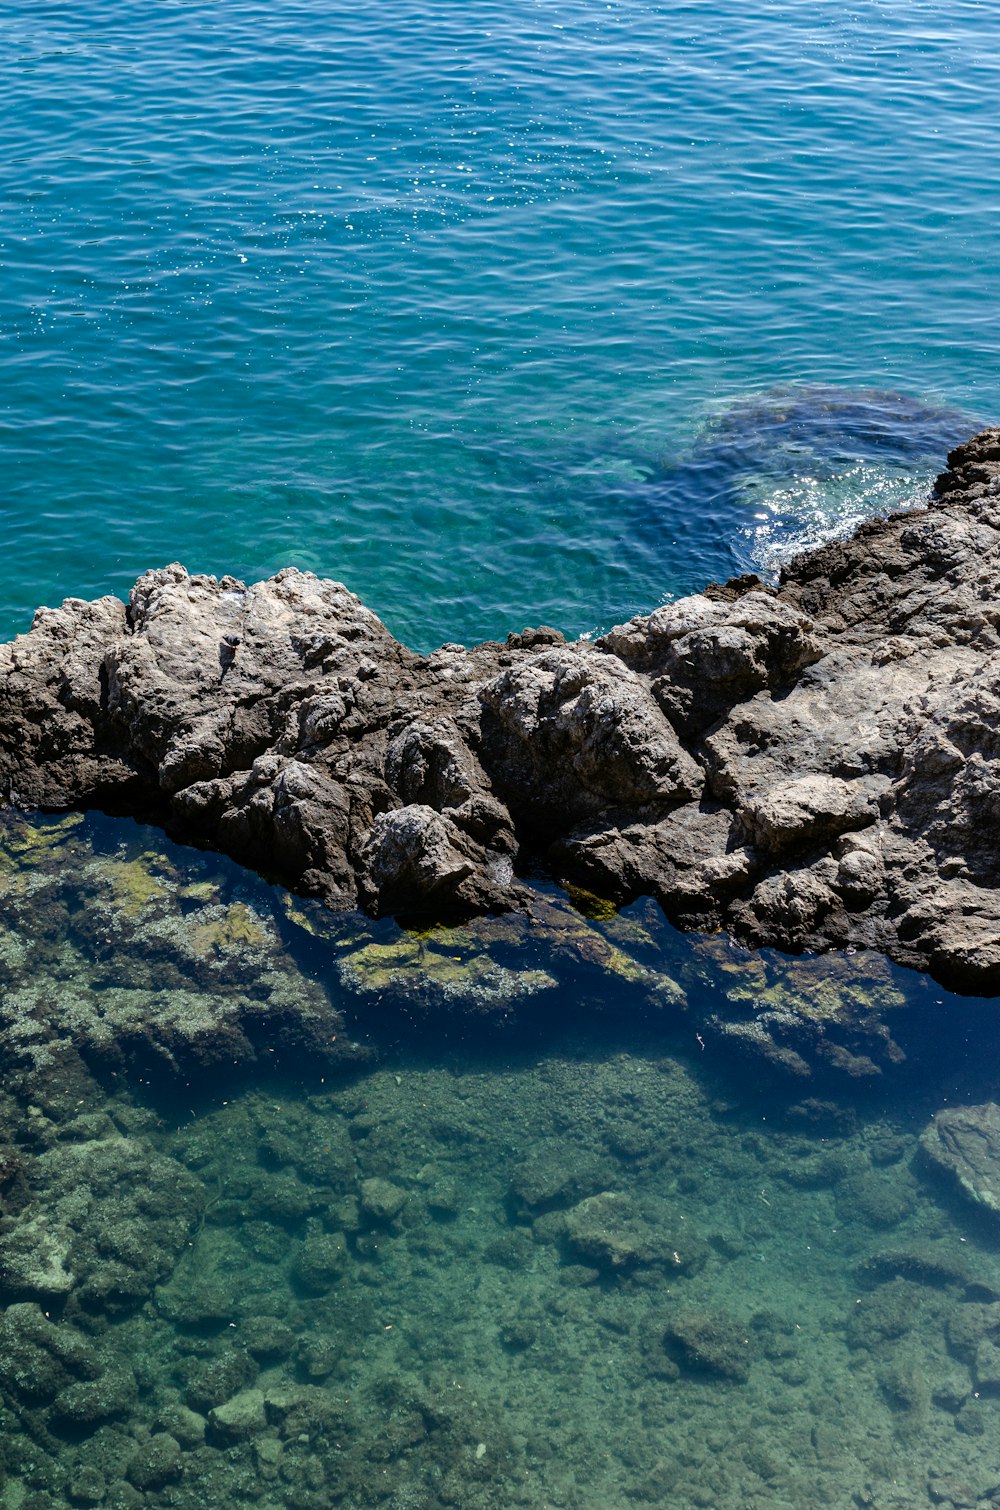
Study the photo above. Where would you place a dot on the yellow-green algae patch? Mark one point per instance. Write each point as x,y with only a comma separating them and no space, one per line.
234,928
501,957
832,1009
136,881
31,849
415,964
827,988
598,909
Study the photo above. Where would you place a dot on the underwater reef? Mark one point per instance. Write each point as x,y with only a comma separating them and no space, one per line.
809,766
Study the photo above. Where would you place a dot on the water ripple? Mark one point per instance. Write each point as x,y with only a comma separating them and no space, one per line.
436,296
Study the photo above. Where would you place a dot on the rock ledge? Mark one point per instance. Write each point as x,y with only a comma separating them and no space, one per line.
810,767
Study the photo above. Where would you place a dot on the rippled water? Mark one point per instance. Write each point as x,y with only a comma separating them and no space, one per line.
422,296
501,315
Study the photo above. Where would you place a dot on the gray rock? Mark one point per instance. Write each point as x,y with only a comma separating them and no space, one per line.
106,1221
381,1201
320,1261
812,766
89,1403
972,1325
554,1177
39,1357
267,1338
711,1343
986,1369
87,1487
945,1489
218,1380
186,1426
613,1232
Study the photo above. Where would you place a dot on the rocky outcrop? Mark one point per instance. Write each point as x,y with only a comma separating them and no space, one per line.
812,766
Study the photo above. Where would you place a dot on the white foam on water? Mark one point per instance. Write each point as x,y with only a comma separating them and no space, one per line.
810,511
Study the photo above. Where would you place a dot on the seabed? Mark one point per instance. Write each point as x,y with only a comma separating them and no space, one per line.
578,1214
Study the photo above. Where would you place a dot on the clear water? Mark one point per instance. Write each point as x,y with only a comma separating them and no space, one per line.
525,1225
501,315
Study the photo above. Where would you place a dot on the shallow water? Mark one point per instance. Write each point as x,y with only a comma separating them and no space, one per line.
583,1213
501,315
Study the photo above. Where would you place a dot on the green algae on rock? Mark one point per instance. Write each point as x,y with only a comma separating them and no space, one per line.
109,1222
169,963
490,965
831,1012
144,963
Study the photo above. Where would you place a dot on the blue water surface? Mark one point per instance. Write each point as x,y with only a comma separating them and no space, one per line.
491,311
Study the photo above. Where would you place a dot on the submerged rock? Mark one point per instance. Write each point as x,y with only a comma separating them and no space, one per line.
381,1201
811,766
118,955
710,1342
88,1403
155,1463
106,1222
320,1261
964,1142
39,1357
615,1233
242,1416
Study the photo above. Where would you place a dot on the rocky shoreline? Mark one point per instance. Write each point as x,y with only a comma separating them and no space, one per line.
808,767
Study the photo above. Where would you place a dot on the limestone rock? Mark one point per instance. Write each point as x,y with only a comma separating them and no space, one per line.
241,1417
320,1260
155,1463
381,1201
39,1357
93,1401
217,1381
106,1220
613,1232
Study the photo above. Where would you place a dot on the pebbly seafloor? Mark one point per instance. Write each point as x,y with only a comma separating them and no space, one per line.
598,1215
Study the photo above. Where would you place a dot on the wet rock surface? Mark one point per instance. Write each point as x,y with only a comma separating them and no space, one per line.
809,767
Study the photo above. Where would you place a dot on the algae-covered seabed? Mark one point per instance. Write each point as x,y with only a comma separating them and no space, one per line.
573,1213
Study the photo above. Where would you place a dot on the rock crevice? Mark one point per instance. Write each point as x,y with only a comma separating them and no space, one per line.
810,766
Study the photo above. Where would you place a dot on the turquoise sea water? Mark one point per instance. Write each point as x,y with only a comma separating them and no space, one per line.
501,315
427,296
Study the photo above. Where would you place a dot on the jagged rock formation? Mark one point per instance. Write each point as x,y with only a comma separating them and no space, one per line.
809,767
